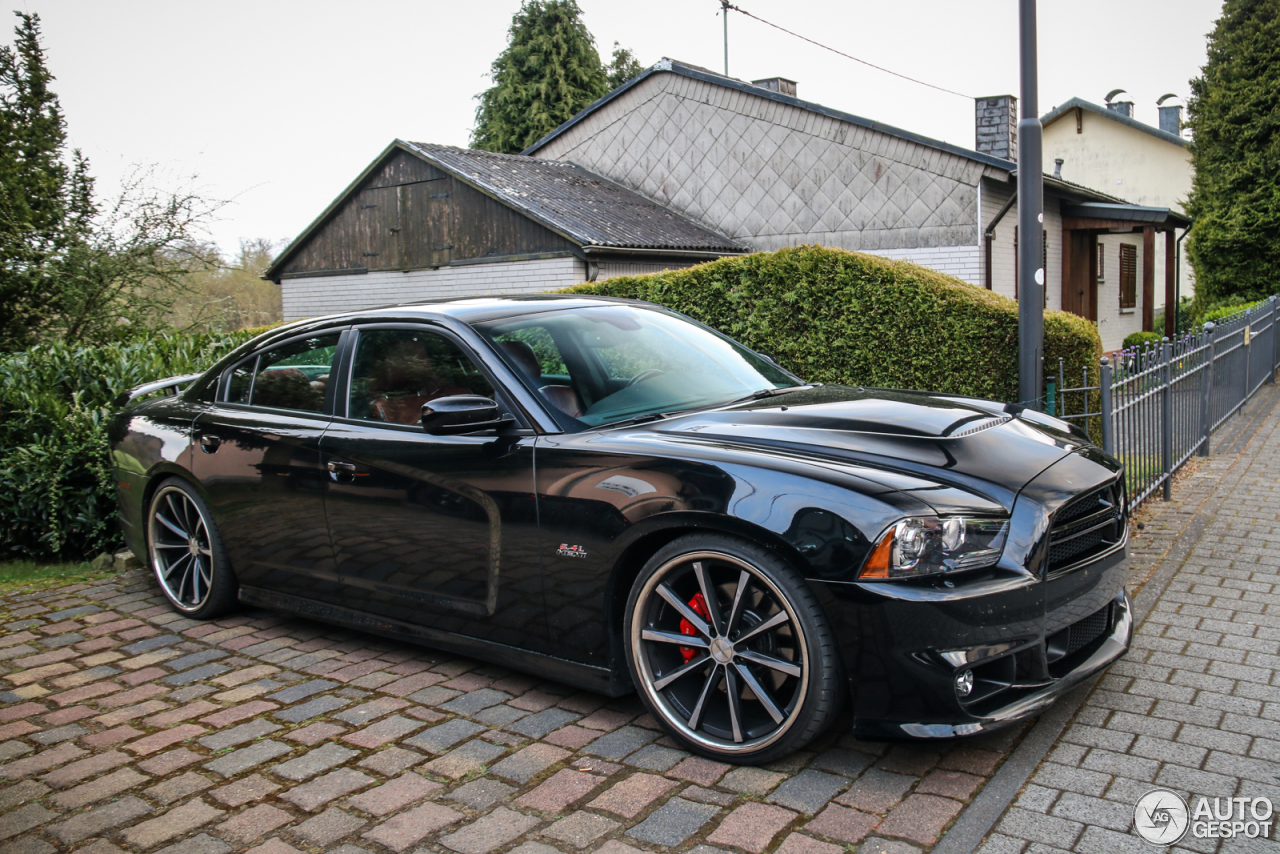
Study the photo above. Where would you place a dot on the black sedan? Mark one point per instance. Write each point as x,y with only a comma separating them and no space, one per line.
612,495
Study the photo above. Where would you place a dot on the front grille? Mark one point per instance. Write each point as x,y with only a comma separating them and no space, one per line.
1076,637
1086,526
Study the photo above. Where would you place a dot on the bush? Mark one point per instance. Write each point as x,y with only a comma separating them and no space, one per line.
1140,339
855,319
57,499
1229,308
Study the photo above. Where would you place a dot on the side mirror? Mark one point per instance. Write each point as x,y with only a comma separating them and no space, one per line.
461,413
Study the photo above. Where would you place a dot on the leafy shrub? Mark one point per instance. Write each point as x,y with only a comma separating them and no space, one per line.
1229,308
56,494
847,317
1140,339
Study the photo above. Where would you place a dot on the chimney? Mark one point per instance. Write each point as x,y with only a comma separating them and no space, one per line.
996,126
1057,167
781,85
1170,116
1124,108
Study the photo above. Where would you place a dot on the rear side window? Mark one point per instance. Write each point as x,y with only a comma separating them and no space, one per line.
294,375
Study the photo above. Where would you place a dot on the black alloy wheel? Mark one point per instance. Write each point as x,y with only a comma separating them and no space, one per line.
186,552
730,650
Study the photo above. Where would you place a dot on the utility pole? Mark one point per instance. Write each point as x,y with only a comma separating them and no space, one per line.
724,10
1031,273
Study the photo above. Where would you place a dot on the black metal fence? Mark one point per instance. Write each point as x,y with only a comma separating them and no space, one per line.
1156,406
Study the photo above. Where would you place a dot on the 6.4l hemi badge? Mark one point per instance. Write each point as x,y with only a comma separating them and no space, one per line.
567,550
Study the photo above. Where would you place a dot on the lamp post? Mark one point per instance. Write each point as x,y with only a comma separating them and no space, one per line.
1031,275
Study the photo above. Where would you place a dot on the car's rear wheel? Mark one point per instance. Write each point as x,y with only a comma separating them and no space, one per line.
730,649
186,552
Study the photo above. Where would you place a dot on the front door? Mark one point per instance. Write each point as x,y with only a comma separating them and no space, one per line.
437,531
257,457
1080,274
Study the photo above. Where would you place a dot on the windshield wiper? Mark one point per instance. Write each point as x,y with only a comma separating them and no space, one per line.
639,419
761,394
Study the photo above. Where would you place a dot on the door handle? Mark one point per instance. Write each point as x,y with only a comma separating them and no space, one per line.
209,443
341,472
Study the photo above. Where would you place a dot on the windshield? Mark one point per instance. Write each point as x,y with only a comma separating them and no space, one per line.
601,366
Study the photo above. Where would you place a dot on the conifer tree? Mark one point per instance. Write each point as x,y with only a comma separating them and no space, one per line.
1234,115
548,72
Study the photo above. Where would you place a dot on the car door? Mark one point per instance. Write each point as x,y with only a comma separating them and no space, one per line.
431,530
257,457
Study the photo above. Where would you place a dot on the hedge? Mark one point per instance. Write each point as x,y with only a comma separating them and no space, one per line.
57,500
1141,339
855,319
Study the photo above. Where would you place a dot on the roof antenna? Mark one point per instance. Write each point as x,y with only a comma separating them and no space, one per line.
724,10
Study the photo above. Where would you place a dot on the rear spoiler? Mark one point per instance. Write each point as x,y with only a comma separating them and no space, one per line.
170,386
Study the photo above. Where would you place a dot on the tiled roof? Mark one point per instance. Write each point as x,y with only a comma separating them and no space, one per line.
587,208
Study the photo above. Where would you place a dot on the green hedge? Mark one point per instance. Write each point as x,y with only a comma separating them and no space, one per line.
847,317
56,494
1139,339
1231,309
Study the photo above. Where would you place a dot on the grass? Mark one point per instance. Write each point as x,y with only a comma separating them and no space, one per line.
37,575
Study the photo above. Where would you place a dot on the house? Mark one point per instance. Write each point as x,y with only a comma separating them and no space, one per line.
754,162
430,220
1107,149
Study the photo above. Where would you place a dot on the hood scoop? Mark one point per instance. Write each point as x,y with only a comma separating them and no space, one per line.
985,424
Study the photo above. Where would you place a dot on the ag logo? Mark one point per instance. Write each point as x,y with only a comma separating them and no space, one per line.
1161,817
567,550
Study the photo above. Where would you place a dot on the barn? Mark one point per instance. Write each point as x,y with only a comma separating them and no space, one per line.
425,221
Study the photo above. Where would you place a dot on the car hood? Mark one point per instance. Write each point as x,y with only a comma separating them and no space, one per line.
979,446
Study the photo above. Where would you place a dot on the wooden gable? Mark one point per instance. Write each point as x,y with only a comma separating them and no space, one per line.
407,214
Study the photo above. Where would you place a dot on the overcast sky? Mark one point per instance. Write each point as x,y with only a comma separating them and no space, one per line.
279,104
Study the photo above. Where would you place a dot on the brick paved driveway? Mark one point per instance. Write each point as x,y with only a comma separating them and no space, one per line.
128,727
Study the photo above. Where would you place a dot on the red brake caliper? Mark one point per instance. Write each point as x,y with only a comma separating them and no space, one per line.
699,606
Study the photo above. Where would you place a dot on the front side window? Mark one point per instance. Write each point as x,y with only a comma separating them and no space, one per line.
294,375
622,362
396,371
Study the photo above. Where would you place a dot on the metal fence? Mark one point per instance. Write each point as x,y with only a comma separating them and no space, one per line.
1156,406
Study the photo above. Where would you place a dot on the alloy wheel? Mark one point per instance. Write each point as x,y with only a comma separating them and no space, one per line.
720,652
181,548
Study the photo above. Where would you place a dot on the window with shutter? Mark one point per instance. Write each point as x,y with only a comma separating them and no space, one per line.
1102,255
1128,275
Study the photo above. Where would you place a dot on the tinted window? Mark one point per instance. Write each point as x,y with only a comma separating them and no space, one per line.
294,375
396,371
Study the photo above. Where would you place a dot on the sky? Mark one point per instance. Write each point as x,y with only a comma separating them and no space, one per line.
277,105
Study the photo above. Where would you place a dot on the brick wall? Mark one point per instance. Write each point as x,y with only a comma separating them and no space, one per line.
310,297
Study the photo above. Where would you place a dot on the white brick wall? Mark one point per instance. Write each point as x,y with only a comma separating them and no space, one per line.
311,297
959,261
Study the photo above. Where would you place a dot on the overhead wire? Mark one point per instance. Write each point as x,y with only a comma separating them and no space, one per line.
842,53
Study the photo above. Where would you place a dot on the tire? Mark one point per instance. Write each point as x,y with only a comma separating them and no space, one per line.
186,552
752,677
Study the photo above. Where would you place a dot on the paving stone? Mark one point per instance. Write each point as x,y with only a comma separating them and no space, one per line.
752,827
386,730
808,791
436,695
253,823
697,769
294,693
708,796
177,788
50,757
96,821
441,737
197,674
842,824
255,787
798,843
877,791
26,790
314,762
177,821
950,784
572,737
82,769
846,763
165,738
407,828
621,742
751,781
492,831
559,791
28,818
330,826
310,709
169,761
320,791
470,758
273,846
499,716
313,734
374,709
580,829
631,796
247,757
201,843
920,818
148,644
58,734
673,822
394,794
539,724
523,765
481,794
391,761
475,701
241,734
655,757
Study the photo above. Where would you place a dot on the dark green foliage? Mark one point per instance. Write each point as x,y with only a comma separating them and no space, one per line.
1141,339
45,206
57,499
1234,114
1229,308
845,317
548,72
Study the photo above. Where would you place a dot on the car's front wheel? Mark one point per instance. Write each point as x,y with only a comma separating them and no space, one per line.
186,552
730,649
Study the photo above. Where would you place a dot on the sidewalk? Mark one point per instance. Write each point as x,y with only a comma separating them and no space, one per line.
1195,707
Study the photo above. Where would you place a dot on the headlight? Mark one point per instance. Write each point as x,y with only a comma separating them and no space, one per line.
928,545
